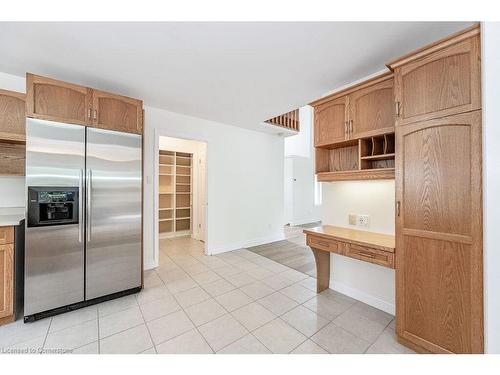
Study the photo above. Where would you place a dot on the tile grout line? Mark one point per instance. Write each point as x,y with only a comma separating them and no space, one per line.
197,330
47,333
147,328
307,338
289,325
380,334
249,333
98,332
321,346
73,324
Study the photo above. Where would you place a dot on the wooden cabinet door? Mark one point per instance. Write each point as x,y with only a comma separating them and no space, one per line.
440,84
12,116
116,112
49,99
371,110
6,280
12,159
330,122
439,296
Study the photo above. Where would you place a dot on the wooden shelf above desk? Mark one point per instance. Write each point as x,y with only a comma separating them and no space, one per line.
376,248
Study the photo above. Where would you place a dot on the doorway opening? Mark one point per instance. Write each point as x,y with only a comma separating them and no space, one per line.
180,209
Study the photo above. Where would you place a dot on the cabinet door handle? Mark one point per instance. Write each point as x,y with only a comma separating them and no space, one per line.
366,255
95,114
89,205
90,113
80,206
346,128
398,208
326,244
398,109
350,126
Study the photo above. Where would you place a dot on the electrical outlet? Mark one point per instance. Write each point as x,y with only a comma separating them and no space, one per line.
353,219
363,220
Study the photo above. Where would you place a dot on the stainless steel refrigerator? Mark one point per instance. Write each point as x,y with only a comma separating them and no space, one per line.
84,225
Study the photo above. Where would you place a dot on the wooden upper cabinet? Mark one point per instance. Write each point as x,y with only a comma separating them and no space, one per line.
115,112
12,133
12,116
50,99
371,109
440,80
363,110
330,122
54,100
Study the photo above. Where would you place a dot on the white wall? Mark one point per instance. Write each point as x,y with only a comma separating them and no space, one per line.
491,186
301,143
12,83
12,188
244,181
299,202
366,282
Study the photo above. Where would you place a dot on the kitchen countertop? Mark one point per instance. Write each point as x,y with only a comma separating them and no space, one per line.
10,216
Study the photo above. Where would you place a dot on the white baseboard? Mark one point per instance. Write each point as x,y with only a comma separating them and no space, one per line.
174,234
150,266
359,295
246,243
304,221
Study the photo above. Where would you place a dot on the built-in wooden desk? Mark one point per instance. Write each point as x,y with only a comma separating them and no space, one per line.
370,247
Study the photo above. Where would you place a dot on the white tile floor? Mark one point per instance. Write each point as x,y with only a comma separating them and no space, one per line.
237,302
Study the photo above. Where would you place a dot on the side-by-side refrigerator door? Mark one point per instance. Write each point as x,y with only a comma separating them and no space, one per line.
54,250
114,225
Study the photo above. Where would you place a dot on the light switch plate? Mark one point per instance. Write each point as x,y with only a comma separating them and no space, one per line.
353,219
363,220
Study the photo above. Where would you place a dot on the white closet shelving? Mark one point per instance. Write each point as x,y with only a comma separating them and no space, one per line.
175,193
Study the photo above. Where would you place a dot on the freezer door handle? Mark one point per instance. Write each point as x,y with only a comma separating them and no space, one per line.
89,205
80,206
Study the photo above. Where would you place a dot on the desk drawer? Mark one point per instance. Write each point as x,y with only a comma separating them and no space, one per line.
6,235
326,244
380,257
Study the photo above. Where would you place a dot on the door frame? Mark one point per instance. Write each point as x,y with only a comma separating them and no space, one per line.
156,169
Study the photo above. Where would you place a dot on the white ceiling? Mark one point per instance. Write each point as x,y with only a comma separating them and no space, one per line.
235,73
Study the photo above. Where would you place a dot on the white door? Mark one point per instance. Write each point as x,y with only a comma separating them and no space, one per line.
202,197
288,190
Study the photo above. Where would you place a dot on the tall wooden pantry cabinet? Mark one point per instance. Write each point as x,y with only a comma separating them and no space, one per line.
439,276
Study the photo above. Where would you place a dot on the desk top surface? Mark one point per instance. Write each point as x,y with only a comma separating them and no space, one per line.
379,240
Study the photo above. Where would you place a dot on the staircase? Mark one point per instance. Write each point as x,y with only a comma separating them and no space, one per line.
288,120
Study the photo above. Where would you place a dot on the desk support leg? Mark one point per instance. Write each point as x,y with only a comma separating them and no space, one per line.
322,269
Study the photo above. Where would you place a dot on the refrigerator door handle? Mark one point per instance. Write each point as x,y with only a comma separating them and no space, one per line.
80,206
89,205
